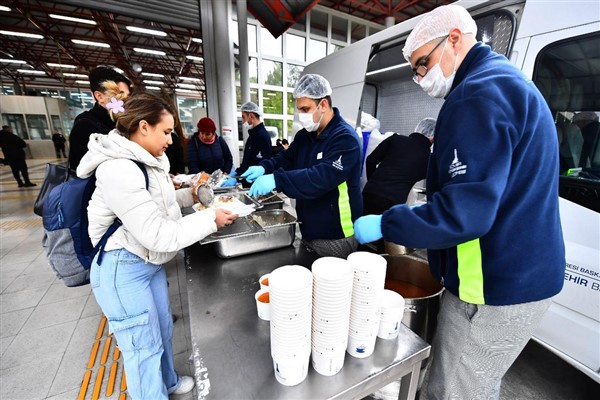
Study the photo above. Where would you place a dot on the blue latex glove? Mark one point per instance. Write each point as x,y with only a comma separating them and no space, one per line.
253,172
233,173
263,185
229,182
368,229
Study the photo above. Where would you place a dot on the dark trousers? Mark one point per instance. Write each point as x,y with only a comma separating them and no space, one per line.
17,166
60,149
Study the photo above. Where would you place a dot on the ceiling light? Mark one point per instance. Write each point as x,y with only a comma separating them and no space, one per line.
83,82
10,60
147,31
152,88
148,51
185,78
185,91
197,40
4,8
195,58
154,82
75,75
73,19
22,34
58,97
379,71
31,71
88,43
186,86
153,74
69,66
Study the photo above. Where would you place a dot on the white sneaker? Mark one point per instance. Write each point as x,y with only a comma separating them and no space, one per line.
186,383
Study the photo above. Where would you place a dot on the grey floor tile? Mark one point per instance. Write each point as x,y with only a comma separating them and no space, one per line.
12,268
69,395
91,307
29,381
20,300
12,322
4,343
58,292
16,256
71,370
85,333
6,280
24,282
54,313
27,347
37,267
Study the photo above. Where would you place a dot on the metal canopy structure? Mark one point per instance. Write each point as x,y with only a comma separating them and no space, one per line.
63,51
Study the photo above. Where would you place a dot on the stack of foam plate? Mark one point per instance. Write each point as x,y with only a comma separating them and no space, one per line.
367,292
290,289
332,293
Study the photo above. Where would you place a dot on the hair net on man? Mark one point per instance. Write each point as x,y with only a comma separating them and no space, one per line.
251,107
437,24
426,127
312,86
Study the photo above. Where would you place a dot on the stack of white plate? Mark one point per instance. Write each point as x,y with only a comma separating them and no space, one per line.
367,292
332,292
290,289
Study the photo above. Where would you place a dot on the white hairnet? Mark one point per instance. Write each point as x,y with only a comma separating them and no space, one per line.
251,108
426,127
368,123
438,23
312,86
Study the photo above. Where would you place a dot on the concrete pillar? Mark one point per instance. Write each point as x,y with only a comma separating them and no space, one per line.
389,21
242,14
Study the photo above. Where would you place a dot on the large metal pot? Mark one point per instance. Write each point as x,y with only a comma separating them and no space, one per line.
410,276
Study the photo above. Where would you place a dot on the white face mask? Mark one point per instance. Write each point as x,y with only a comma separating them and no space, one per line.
307,122
435,84
247,126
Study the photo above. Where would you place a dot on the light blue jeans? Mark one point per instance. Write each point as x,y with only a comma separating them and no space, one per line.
134,297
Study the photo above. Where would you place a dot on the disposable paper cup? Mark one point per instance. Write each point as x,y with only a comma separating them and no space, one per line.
328,365
264,281
291,372
263,306
388,330
361,347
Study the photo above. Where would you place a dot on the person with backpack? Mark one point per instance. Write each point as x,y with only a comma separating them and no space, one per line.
130,282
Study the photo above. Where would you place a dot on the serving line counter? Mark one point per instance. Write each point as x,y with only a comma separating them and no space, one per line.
231,345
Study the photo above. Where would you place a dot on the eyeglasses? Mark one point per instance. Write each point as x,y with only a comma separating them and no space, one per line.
420,70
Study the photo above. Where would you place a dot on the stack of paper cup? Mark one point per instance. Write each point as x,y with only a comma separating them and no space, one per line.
367,292
290,290
392,311
332,293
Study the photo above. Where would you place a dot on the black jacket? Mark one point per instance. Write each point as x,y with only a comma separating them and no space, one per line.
175,155
12,146
257,148
96,120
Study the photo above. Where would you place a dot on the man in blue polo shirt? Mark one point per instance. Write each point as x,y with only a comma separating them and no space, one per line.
320,169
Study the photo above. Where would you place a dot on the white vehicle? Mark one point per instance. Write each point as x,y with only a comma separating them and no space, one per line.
557,45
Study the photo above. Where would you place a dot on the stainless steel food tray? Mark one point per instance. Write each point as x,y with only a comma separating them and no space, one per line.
261,231
271,201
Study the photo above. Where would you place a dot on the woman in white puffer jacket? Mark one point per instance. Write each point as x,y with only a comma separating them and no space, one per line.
130,284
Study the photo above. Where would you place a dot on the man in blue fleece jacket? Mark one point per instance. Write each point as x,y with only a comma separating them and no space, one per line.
320,169
258,145
491,223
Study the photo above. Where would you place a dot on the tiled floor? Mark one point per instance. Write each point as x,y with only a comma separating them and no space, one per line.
47,330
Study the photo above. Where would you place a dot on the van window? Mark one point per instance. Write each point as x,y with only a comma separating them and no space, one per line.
568,76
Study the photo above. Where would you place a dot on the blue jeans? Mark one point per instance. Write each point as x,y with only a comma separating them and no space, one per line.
135,299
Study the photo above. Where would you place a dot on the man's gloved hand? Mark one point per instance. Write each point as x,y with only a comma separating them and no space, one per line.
263,185
253,172
233,174
368,229
229,182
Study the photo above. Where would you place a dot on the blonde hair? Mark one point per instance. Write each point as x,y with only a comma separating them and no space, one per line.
111,89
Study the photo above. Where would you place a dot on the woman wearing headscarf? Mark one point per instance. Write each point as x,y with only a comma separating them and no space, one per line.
207,151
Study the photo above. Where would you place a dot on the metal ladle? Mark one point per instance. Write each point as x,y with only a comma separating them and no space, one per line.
205,194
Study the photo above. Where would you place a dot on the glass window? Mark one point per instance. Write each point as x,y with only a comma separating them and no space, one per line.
318,23
568,78
300,25
357,32
276,123
253,70
334,47
190,111
238,96
373,31
252,38
316,50
269,45
56,123
290,122
17,122
233,33
272,102
272,73
38,126
293,74
291,104
339,29
254,96
295,47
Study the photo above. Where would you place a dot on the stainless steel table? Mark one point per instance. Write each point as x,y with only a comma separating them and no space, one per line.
231,345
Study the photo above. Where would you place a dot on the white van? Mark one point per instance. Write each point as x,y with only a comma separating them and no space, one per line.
556,44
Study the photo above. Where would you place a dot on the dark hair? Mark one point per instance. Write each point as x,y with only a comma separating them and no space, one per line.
328,98
141,106
104,73
5,126
284,141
